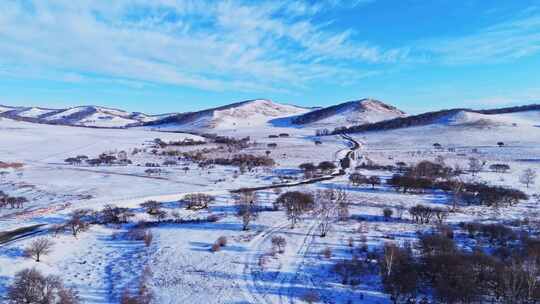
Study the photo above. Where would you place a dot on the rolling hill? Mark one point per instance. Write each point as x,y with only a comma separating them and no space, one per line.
349,113
248,113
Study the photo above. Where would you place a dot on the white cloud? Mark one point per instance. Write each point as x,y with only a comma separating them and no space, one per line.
203,44
502,42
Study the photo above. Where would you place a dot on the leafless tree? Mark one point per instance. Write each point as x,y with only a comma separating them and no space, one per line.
279,243
374,181
326,209
475,165
39,247
528,177
440,214
30,286
247,207
343,204
78,222
457,193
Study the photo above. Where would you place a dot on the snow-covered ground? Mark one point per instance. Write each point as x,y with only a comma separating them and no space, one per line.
179,265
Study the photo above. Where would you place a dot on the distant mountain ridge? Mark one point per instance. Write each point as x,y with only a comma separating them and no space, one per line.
352,116
458,116
84,116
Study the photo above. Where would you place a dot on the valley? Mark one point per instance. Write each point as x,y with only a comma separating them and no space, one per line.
261,202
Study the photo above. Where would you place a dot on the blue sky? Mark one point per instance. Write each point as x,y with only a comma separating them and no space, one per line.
172,56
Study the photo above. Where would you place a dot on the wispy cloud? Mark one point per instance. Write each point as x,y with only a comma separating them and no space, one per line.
211,45
503,42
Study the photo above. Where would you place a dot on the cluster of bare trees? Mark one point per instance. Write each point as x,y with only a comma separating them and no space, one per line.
107,159
248,161
296,204
421,214
12,201
195,201
358,179
31,286
505,274
470,193
499,168
153,208
311,170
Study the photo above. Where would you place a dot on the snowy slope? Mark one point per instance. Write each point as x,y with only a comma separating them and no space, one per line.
464,118
88,116
92,116
350,113
4,109
35,112
238,115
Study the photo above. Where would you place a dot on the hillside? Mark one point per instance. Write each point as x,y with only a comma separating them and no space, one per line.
350,113
249,113
86,116
513,116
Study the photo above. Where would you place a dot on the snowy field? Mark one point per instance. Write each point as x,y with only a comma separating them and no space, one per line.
178,265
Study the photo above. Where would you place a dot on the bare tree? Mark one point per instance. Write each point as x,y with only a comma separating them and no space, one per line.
374,181
528,177
39,247
343,203
30,286
475,165
457,193
279,243
326,203
78,221
296,203
440,214
247,207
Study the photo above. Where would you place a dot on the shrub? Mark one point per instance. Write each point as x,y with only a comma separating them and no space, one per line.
311,297
387,213
279,243
327,252
215,247
147,238
349,270
222,241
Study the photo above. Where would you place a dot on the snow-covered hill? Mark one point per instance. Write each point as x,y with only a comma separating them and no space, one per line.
249,113
464,118
87,116
349,113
